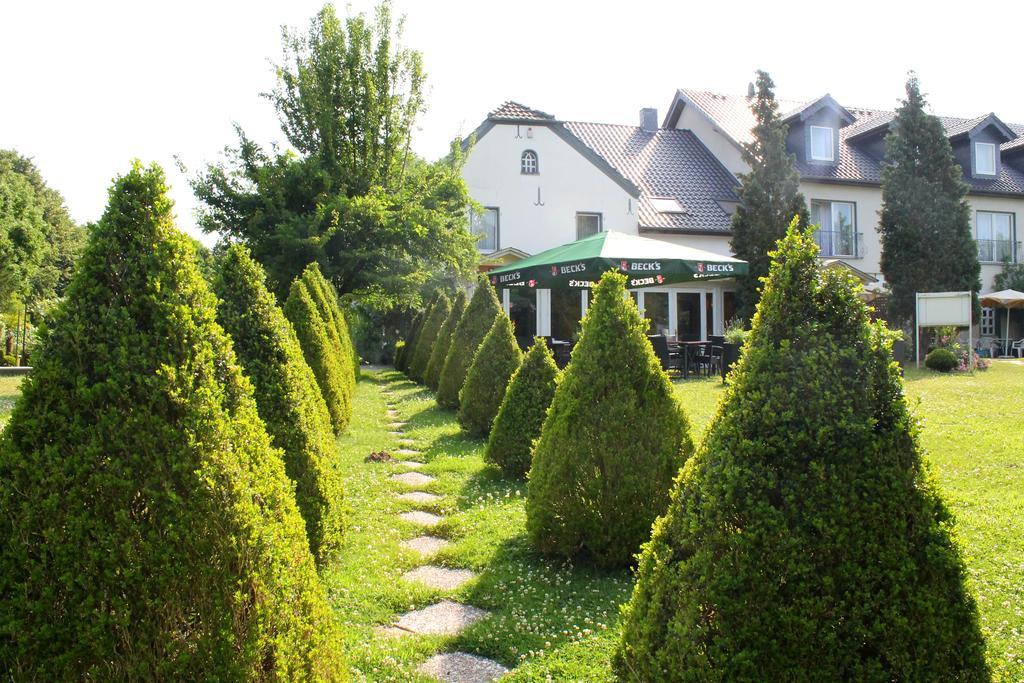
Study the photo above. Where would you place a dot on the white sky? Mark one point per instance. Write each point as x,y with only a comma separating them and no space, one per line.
87,86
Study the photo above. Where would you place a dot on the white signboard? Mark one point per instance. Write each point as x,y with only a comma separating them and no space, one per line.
944,309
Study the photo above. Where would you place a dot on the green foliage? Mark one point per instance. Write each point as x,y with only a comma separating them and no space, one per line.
148,530
805,540
769,195
927,240
402,360
735,333
326,299
399,352
287,395
381,221
438,354
417,333
522,411
312,330
941,360
474,325
1012,277
613,439
39,242
487,379
439,313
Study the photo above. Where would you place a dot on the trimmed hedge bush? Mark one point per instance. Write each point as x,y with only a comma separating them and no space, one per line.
444,341
287,395
402,363
311,329
474,325
326,299
148,530
428,338
805,540
941,360
522,411
399,352
495,361
612,441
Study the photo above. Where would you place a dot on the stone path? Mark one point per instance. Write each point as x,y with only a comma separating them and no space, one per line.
446,617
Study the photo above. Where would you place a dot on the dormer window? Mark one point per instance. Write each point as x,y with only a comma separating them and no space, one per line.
984,158
822,143
528,165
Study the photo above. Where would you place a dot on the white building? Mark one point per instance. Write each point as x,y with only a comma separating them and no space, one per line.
546,182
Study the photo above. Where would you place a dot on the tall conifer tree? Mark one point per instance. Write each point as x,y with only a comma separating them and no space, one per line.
444,341
769,195
927,242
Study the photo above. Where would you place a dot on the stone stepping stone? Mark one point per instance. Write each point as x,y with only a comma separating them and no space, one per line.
426,546
407,451
397,425
412,478
444,618
392,413
411,464
419,497
395,433
405,442
460,667
441,578
420,517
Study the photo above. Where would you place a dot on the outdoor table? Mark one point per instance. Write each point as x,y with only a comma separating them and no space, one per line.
685,349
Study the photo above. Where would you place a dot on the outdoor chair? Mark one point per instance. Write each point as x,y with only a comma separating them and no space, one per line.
716,361
1018,348
702,359
669,359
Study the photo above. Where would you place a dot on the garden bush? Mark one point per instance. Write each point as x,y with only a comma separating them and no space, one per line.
399,352
402,364
428,338
497,357
805,540
311,329
444,341
522,411
287,396
148,530
612,441
941,360
474,325
326,299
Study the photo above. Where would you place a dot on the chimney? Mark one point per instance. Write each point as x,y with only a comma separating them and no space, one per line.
649,120
750,91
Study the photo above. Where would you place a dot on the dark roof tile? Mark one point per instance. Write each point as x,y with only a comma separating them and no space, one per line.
513,111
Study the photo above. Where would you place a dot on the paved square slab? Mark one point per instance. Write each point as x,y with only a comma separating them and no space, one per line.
397,425
426,546
395,433
405,442
445,617
406,451
460,667
441,578
420,517
392,413
412,478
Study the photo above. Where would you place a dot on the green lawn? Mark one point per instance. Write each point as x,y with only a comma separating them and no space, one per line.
9,392
553,619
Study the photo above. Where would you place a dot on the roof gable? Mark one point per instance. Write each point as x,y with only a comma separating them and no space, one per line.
826,101
972,127
513,111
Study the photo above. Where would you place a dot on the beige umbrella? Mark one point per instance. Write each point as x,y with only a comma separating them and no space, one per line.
1007,298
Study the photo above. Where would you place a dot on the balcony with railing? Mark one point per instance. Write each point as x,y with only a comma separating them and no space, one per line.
998,251
839,243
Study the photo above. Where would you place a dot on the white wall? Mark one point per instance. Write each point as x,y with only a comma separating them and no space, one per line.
716,244
714,139
568,182
868,202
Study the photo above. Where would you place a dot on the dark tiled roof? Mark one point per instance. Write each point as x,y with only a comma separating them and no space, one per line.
667,163
733,116
513,111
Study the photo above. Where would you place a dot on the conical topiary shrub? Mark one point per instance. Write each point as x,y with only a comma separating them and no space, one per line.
428,338
402,361
444,341
148,530
311,329
327,299
287,395
474,325
413,351
805,540
522,411
495,361
612,442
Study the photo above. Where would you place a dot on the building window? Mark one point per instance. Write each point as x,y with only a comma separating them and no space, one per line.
528,165
837,228
822,148
587,224
984,158
485,223
988,322
995,237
